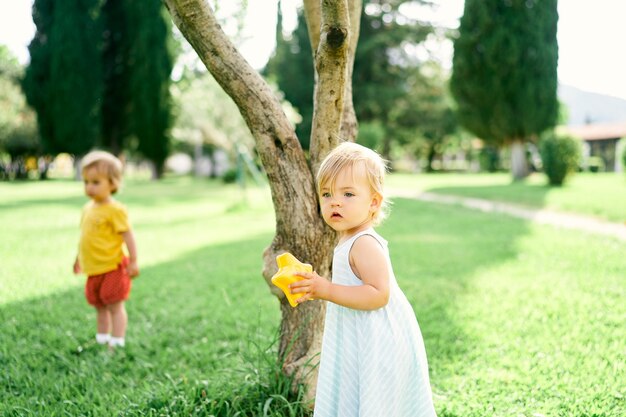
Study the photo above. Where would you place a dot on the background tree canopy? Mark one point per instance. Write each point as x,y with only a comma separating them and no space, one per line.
504,72
388,79
99,76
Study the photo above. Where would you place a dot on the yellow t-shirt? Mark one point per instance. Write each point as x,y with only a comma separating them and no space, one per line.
101,241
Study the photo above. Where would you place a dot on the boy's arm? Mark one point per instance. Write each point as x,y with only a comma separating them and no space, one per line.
76,268
129,240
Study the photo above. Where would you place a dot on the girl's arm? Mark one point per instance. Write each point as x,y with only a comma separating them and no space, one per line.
129,239
369,263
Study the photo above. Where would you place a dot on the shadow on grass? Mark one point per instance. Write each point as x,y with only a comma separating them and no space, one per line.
436,251
201,326
197,325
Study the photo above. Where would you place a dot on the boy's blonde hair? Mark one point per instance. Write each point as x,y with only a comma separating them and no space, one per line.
348,155
105,163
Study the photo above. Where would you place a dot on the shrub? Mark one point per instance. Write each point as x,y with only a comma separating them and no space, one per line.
595,164
489,159
230,176
560,155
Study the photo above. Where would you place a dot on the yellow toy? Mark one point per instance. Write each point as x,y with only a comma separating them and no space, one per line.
287,265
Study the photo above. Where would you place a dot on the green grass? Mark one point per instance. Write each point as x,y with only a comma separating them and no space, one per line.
600,195
518,319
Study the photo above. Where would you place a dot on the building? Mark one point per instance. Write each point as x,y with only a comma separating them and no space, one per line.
601,140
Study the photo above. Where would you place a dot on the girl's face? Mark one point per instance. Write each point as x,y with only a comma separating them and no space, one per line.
97,185
349,206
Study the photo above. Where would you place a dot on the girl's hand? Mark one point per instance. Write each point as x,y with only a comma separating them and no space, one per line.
132,269
76,267
313,286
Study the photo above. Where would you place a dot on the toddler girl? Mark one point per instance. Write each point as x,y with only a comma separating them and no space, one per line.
373,361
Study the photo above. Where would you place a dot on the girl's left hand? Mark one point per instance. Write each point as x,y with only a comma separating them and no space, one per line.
313,286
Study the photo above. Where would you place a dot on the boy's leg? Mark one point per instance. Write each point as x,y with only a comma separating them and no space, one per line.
119,320
104,319
104,325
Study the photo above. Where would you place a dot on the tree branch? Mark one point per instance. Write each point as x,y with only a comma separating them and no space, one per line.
331,67
275,138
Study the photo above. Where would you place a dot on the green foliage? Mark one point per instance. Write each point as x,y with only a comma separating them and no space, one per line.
595,164
381,92
291,67
116,71
371,134
10,67
382,64
504,68
36,82
17,121
230,176
206,114
99,76
63,82
424,118
560,155
152,60
22,142
489,159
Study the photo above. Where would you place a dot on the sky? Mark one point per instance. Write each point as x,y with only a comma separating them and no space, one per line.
591,55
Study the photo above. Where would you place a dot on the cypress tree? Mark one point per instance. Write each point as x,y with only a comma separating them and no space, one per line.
63,82
37,75
504,72
100,74
292,68
151,62
116,73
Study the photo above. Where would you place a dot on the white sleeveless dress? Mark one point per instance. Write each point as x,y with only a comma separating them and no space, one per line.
373,363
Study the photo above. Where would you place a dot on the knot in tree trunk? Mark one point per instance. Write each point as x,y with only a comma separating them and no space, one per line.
336,36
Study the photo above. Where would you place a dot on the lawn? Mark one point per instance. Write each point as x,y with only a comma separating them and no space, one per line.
518,319
601,195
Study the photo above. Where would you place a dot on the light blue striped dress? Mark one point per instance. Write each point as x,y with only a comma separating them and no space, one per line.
373,363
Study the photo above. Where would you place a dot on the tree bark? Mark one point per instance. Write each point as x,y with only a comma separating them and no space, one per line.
519,163
339,67
299,226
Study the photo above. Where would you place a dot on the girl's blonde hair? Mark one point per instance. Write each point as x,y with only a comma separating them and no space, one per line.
348,155
104,163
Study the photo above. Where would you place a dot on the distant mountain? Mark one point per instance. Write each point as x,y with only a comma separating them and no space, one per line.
585,107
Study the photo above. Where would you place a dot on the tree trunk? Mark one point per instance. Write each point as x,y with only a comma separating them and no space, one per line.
430,157
333,66
519,162
299,226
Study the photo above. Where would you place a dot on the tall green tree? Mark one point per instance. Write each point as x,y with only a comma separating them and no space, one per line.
504,72
63,82
116,72
100,75
382,64
426,111
151,61
291,67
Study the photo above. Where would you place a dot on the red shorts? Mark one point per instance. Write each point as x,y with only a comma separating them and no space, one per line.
108,288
